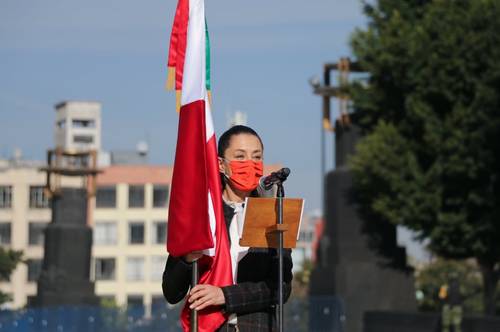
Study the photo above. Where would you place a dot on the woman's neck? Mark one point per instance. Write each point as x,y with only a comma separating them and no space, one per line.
233,195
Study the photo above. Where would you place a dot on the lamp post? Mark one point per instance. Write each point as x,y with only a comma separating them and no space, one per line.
344,67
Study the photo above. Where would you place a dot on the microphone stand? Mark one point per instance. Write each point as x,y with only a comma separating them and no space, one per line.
280,194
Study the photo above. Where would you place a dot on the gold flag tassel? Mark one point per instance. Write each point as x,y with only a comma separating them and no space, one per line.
178,100
209,97
170,78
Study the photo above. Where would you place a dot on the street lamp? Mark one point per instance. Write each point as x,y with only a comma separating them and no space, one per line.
344,67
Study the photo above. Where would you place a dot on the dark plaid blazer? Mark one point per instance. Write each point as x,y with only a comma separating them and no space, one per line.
253,298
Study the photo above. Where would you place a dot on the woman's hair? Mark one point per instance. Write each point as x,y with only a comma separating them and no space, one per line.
236,130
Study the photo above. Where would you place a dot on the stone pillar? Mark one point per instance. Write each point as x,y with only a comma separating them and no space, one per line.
65,276
355,276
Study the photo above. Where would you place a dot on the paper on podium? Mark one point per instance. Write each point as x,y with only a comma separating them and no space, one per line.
260,228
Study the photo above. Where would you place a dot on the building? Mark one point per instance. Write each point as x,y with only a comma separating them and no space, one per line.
78,126
139,156
237,118
130,227
306,244
24,213
129,221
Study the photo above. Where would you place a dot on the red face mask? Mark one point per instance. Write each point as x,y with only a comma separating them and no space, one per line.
245,174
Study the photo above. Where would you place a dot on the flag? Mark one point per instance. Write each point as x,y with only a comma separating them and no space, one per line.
196,218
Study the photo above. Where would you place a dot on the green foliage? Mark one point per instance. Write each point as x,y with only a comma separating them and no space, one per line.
108,303
304,274
432,277
430,112
8,262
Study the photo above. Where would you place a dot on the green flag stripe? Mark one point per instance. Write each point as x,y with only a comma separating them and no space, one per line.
207,55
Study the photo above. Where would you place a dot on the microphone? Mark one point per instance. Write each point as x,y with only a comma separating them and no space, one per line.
267,182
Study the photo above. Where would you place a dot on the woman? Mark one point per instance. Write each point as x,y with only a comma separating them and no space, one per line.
250,303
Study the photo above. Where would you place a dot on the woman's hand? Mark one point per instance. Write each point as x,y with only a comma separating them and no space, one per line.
202,296
191,257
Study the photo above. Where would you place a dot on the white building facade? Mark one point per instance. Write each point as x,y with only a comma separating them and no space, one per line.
129,222
24,213
78,126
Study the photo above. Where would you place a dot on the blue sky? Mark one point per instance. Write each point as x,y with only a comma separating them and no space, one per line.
114,51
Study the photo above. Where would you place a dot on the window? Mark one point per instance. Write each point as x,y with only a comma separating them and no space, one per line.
105,233
306,236
83,139
135,301
83,123
5,197
32,300
4,233
135,307
106,197
157,266
135,268
158,304
61,124
105,269
36,233
34,269
160,196
159,235
38,198
136,233
136,196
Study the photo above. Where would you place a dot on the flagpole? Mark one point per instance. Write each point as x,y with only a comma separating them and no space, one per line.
194,282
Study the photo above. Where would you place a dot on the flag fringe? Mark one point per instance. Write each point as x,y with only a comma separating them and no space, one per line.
170,78
178,95
209,95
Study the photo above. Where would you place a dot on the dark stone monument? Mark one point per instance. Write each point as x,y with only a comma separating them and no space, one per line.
378,321
350,272
64,279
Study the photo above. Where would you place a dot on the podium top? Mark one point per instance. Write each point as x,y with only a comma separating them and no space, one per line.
260,228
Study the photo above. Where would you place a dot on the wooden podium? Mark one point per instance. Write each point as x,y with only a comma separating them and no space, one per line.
261,226
273,223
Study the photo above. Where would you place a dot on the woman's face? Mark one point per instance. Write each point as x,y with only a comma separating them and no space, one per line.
241,147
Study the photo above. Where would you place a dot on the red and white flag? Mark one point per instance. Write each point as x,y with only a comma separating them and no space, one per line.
196,218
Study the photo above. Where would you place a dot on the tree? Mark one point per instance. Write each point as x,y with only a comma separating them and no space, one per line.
8,262
430,114
430,279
